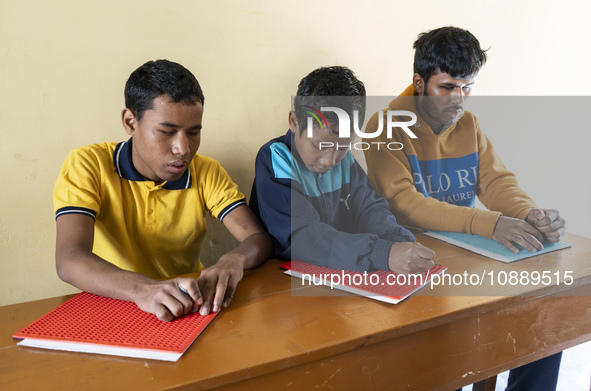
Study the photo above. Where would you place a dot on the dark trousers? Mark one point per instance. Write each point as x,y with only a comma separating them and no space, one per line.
541,375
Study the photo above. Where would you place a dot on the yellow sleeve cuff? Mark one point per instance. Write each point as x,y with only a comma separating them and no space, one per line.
484,222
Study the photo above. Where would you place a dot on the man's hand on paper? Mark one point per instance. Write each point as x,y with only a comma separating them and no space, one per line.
410,257
510,231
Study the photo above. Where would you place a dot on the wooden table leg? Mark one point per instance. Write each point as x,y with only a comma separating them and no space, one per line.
486,385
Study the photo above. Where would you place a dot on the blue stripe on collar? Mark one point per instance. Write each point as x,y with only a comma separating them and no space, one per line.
123,163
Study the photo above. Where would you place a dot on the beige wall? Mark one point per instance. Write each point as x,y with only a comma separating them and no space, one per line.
63,65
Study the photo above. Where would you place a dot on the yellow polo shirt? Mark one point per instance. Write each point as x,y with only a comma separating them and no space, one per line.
155,230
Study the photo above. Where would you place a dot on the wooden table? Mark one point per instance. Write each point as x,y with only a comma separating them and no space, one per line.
273,338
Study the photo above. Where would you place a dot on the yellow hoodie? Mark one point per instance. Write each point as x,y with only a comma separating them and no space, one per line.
431,183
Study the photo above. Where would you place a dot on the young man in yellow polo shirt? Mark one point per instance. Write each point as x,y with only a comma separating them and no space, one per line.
131,213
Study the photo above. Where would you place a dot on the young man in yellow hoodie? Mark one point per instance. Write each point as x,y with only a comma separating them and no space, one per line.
432,182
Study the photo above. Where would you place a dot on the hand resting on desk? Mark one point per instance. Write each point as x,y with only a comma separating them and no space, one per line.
548,222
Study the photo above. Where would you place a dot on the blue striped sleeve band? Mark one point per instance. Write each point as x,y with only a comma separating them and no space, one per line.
230,208
76,210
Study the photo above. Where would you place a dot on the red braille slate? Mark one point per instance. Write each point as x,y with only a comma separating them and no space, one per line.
97,324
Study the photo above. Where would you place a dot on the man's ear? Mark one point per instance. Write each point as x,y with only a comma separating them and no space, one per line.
419,83
293,122
130,123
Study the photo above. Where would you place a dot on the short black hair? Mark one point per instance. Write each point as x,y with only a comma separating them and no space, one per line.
449,50
160,77
333,81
